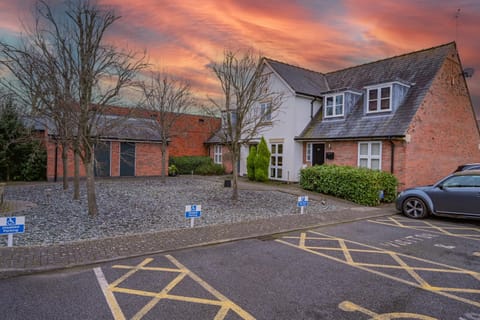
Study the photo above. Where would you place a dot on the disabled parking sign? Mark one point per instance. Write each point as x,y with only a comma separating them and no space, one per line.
10,226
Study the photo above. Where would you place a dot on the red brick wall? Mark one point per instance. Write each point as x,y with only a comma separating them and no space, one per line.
190,135
443,133
148,159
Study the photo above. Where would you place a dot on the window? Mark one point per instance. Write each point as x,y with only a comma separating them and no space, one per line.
217,153
233,118
370,155
334,106
276,161
379,99
308,154
266,111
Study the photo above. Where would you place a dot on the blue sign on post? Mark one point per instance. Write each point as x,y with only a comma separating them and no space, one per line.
302,201
191,212
10,225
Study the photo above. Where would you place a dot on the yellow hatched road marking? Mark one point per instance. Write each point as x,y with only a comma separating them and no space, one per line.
399,258
224,304
469,232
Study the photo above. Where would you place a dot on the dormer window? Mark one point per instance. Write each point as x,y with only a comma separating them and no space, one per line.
334,106
379,99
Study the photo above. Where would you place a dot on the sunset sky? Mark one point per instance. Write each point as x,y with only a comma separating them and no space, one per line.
183,36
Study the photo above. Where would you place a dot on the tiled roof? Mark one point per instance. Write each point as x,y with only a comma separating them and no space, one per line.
302,81
416,69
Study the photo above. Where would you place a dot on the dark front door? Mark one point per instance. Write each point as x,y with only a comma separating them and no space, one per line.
127,159
102,159
318,154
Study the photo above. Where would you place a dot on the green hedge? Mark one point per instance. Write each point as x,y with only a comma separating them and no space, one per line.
197,164
358,185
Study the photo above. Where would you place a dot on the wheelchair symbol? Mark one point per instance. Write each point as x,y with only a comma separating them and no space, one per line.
11,221
352,307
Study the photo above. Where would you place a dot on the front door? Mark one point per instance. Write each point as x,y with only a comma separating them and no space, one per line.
318,154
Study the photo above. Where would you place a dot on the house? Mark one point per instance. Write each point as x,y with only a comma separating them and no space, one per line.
129,145
410,115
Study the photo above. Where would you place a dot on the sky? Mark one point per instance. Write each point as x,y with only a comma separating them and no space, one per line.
182,37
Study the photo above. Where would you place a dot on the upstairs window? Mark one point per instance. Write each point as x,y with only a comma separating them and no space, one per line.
379,99
232,114
334,106
266,111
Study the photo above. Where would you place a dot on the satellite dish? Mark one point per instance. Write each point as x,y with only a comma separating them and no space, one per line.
468,72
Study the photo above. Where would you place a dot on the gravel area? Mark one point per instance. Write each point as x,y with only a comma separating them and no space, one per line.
128,206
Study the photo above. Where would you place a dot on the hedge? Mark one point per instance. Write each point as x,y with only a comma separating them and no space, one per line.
359,185
197,164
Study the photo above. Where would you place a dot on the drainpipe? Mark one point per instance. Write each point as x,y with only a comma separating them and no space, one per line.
311,107
392,160
56,160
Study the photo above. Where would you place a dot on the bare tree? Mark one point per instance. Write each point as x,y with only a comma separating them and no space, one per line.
249,104
168,99
83,72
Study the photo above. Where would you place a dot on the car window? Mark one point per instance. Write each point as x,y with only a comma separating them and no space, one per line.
462,182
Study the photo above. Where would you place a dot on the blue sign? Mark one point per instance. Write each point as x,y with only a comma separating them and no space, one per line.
302,201
12,225
193,211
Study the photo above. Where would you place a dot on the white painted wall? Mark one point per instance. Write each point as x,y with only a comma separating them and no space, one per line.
290,120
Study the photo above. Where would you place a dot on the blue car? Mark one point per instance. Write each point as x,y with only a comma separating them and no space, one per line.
455,195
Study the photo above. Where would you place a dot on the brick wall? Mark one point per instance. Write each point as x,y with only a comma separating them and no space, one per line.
226,157
443,133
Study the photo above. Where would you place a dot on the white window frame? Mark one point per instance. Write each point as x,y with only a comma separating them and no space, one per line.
308,152
274,165
379,99
334,105
266,111
217,154
369,156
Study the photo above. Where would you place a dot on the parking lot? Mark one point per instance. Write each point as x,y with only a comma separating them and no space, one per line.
383,268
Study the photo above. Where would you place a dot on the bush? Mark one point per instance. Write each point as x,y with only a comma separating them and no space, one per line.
251,163
262,161
210,169
359,185
198,164
187,164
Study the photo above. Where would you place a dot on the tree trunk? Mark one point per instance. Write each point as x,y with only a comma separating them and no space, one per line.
164,161
65,165
76,175
235,156
91,196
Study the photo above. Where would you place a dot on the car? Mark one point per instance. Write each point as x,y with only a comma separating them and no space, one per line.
456,195
468,166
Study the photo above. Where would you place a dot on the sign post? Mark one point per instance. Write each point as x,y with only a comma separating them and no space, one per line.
11,225
302,203
193,211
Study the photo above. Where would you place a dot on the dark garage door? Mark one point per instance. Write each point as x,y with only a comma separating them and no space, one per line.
102,159
127,159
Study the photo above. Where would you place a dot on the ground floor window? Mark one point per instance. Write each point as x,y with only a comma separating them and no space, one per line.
370,155
276,161
217,153
308,153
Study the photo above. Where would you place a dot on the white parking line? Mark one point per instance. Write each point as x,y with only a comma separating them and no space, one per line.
112,302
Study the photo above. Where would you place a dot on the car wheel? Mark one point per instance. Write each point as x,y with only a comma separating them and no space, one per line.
415,208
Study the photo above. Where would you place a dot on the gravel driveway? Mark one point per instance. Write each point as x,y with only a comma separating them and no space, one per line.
136,205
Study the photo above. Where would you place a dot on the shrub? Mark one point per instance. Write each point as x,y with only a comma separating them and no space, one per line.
187,164
210,169
262,160
359,185
251,163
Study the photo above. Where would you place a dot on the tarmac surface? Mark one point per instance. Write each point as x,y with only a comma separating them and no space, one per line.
16,261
